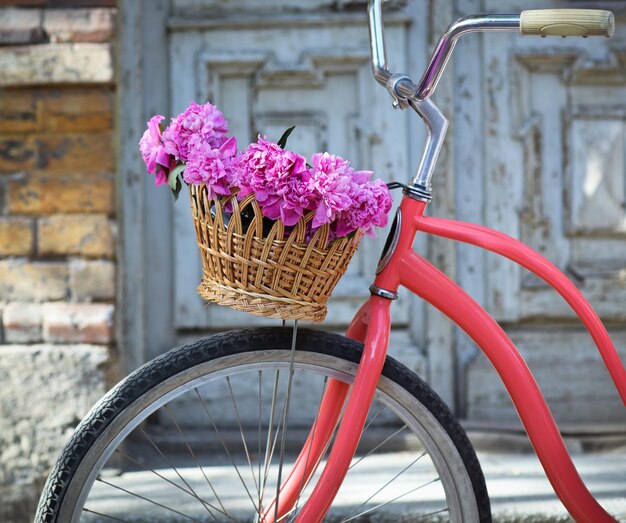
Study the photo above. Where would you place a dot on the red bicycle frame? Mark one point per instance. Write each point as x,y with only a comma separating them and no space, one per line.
371,325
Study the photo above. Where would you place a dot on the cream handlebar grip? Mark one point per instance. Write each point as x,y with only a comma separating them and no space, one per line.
567,22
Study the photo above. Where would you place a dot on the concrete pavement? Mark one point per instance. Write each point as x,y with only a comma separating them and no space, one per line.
518,488
520,492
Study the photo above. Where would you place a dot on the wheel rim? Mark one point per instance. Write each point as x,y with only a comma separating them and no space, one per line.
200,485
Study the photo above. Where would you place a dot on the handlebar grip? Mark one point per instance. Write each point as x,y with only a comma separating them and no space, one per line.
567,22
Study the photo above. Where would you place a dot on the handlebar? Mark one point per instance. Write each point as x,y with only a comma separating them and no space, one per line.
568,22
548,22
544,22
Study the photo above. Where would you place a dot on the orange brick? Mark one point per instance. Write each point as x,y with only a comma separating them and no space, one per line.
42,193
75,234
18,111
22,322
17,153
33,281
75,153
77,110
77,323
16,236
79,25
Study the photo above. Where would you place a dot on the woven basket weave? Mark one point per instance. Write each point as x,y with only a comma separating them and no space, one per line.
264,270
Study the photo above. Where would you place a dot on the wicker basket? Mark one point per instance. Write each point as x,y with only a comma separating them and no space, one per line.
255,267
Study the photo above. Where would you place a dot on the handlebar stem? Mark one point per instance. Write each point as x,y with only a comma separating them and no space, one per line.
437,126
377,42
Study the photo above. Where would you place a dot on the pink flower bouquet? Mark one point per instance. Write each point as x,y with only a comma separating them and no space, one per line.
195,148
275,232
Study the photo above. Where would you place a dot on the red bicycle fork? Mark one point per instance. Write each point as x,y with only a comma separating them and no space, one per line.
371,325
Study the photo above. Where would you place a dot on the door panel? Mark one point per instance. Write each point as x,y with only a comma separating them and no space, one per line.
554,146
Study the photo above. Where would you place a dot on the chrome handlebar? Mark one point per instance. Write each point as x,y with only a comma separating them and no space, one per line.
405,93
377,41
400,86
447,42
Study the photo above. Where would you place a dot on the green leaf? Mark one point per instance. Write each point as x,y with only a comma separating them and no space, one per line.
178,170
174,181
177,189
172,177
283,139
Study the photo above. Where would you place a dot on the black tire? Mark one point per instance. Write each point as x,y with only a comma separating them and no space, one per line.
400,389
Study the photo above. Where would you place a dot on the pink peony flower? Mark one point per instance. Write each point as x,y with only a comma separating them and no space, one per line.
216,168
157,160
331,181
282,183
197,126
278,179
371,204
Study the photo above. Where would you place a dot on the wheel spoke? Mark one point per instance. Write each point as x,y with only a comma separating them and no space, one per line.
104,515
225,447
377,446
204,503
148,469
268,457
417,518
286,416
393,501
260,427
387,484
194,457
308,454
373,418
139,496
243,438
330,443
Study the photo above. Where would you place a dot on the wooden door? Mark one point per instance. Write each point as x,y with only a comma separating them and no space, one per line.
536,150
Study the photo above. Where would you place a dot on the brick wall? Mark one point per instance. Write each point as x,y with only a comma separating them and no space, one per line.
57,234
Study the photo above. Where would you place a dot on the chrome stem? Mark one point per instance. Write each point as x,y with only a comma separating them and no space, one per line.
437,127
377,41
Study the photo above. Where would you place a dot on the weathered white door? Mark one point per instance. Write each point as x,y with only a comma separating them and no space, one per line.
536,150
268,67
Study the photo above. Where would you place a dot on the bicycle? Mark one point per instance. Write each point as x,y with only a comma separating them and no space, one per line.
327,389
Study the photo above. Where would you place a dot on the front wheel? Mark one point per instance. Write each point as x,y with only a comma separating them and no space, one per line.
197,435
